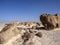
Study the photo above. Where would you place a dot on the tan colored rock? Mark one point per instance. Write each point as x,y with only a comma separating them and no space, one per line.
8,32
31,24
11,34
31,39
50,21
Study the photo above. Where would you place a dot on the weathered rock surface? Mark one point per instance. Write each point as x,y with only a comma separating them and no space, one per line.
2,26
12,34
8,32
50,21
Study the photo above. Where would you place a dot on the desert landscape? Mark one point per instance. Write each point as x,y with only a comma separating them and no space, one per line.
32,33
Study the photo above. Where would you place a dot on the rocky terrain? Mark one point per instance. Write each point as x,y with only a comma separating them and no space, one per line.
28,33
16,34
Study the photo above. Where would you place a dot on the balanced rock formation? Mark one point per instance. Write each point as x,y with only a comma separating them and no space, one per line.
50,21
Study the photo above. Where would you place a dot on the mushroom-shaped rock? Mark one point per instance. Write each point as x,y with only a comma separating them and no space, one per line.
50,21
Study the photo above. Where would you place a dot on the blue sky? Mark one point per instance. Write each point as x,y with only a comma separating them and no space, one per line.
27,10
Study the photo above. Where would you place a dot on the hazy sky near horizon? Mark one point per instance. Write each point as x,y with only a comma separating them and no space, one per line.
27,10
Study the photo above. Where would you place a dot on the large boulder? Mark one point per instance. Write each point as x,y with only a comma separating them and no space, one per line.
50,21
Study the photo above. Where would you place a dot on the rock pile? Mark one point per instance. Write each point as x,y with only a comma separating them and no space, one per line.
11,34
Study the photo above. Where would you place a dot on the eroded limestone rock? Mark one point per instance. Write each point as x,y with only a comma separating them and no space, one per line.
8,32
50,21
